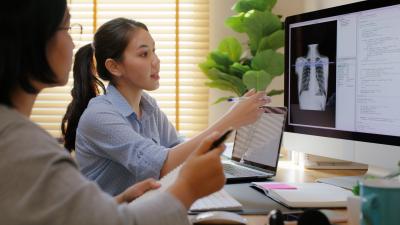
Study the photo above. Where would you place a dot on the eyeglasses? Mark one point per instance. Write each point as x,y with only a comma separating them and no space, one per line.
75,30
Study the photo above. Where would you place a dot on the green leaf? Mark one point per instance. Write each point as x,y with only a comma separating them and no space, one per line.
222,99
246,5
238,69
269,61
236,23
274,41
222,85
270,4
231,46
257,79
221,58
208,64
240,88
274,92
356,189
258,25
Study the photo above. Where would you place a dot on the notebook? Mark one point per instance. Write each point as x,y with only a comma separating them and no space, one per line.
305,195
220,200
256,148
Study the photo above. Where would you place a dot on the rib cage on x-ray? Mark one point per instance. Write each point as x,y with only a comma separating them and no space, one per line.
312,73
260,141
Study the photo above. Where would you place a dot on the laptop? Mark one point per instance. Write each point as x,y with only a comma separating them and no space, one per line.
256,148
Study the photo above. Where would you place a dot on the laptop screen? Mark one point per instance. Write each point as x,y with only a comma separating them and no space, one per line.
258,144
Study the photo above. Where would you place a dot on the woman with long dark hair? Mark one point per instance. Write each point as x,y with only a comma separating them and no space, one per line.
122,136
41,183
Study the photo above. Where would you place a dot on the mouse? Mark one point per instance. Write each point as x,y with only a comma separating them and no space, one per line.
219,217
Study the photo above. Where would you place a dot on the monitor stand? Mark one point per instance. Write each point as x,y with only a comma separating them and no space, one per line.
309,161
348,182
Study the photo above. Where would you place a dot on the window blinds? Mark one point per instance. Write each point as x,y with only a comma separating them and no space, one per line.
180,30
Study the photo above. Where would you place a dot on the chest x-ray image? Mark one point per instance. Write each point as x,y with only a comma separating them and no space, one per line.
312,79
312,73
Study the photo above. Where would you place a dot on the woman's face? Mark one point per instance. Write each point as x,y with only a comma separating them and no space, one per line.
140,66
59,51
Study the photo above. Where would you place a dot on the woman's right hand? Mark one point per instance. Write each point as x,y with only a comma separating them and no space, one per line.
202,173
247,111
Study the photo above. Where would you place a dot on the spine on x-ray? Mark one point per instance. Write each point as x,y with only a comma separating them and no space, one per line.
312,73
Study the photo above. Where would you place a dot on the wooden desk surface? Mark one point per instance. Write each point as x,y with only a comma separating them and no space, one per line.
288,172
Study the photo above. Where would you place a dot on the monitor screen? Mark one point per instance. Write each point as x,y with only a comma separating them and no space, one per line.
342,72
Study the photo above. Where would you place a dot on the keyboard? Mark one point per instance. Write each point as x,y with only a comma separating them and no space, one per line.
220,200
239,171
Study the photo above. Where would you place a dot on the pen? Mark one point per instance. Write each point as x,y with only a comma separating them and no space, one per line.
221,139
239,99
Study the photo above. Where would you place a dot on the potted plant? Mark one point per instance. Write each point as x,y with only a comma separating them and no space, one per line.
232,68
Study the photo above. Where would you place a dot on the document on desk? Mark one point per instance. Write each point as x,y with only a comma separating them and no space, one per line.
220,200
305,195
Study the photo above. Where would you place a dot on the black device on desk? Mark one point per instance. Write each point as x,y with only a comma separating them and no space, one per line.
315,217
256,148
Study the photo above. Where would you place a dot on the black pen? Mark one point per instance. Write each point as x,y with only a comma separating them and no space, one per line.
221,139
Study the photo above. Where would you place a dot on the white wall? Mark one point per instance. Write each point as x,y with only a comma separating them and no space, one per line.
320,4
221,9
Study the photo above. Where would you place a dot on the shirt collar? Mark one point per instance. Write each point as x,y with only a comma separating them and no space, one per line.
148,104
120,103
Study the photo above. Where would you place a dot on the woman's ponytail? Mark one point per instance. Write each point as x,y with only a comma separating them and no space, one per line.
86,87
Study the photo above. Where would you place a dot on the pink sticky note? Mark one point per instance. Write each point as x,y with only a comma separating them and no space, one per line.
277,186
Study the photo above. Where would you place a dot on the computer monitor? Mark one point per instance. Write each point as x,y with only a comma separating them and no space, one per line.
342,83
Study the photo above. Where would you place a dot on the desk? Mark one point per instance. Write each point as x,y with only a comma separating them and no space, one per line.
288,172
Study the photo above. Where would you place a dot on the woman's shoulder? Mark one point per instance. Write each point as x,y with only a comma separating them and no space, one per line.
99,103
12,123
98,106
21,139
98,112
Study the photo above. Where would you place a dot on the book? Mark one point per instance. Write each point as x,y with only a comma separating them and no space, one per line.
220,200
305,195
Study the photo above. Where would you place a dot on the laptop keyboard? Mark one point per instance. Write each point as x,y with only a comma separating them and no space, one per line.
239,171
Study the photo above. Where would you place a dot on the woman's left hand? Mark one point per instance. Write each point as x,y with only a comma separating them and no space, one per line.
136,190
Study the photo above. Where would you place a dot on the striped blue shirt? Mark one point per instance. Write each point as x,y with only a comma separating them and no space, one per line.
117,149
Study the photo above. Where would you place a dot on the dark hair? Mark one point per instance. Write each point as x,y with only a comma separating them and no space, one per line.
110,42
27,27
